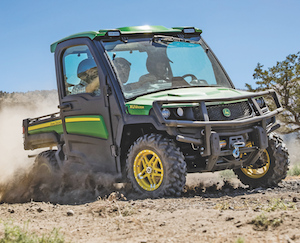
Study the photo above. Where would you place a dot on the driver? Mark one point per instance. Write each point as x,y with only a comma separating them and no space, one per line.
89,80
159,69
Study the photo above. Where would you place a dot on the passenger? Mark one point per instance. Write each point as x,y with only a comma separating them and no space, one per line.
89,79
122,68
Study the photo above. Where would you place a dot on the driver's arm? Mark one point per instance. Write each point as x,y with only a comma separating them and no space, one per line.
91,87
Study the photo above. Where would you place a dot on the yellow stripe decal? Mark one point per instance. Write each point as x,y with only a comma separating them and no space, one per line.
80,119
59,122
44,125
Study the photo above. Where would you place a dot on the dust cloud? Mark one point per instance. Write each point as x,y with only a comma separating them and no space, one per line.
293,145
15,107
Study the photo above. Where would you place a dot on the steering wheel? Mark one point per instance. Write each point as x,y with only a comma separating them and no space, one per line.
195,80
190,75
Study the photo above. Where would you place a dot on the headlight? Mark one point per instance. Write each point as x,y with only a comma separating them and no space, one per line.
165,113
261,102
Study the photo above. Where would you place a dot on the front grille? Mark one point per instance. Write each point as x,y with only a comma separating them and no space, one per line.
215,112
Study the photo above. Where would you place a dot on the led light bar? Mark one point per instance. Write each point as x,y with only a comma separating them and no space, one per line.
189,30
113,33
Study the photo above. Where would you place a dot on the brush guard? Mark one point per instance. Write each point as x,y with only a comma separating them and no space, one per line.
211,139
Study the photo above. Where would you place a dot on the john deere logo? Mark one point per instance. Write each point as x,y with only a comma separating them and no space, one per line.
226,112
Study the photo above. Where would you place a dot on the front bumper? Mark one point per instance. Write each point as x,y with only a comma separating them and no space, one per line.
213,130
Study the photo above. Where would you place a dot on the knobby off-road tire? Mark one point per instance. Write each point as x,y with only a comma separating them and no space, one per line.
275,170
45,175
155,167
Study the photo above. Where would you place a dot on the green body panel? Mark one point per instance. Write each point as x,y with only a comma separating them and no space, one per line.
143,104
144,29
92,125
124,30
89,34
54,126
138,109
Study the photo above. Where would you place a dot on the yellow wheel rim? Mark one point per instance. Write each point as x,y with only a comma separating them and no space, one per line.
148,170
260,172
45,168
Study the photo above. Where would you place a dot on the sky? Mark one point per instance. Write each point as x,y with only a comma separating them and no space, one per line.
240,32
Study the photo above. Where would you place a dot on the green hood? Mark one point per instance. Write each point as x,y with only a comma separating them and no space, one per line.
143,104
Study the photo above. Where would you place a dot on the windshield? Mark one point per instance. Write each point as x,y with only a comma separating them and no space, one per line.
153,64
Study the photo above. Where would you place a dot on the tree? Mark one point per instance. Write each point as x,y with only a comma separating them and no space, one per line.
284,78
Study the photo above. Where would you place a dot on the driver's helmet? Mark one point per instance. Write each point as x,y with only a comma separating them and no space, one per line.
85,66
158,65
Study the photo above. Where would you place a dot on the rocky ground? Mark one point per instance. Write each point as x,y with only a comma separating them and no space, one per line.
213,211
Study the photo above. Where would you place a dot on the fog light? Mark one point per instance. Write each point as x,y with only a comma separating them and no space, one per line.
179,111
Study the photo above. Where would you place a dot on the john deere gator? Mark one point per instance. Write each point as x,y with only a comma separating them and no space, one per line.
148,104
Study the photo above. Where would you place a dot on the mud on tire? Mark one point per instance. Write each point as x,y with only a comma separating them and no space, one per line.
45,175
155,167
277,169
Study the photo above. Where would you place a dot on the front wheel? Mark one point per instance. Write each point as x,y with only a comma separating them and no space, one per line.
270,169
156,167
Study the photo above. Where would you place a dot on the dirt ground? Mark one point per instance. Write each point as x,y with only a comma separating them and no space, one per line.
209,211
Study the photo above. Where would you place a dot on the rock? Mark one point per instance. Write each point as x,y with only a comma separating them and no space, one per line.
163,223
295,199
257,209
288,239
70,213
39,210
113,196
10,210
229,218
259,189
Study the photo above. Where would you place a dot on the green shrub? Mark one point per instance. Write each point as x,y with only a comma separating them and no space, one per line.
16,234
278,204
262,222
227,174
240,240
294,170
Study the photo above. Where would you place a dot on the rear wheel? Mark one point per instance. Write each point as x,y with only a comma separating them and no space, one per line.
156,167
270,169
46,175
